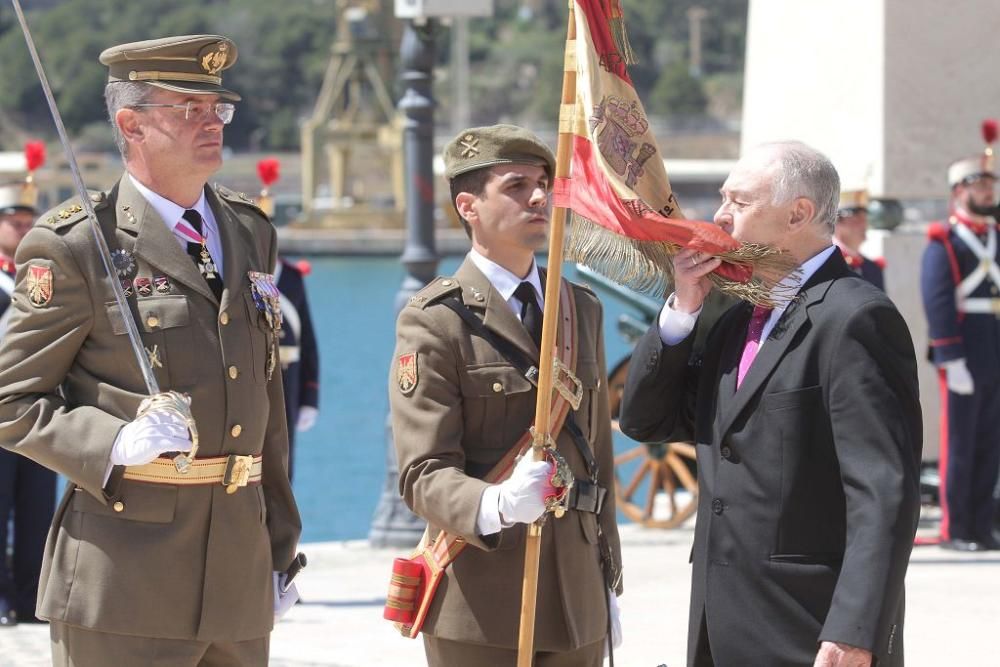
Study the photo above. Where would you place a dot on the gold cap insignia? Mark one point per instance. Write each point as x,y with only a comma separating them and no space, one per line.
215,60
470,144
406,372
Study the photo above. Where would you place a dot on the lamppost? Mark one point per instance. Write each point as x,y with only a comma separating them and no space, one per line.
394,524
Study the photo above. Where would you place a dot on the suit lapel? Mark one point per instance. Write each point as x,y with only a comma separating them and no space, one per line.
155,243
498,316
795,317
236,247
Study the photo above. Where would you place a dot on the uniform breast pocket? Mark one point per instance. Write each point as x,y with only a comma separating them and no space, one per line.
165,327
261,338
498,406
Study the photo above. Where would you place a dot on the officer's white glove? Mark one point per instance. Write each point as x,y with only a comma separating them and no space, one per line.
616,623
283,599
307,418
142,440
958,377
521,497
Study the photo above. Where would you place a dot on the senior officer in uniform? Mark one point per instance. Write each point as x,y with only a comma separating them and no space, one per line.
459,405
808,430
960,283
143,561
850,232
27,490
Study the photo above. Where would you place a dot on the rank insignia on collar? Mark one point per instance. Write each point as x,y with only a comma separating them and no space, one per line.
123,262
39,285
143,286
162,284
406,372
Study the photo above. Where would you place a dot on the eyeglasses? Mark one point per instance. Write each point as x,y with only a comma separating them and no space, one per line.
198,111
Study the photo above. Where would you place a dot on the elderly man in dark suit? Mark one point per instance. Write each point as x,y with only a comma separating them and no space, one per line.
808,429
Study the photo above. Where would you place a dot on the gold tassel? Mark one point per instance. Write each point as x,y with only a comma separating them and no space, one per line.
616,21
645,266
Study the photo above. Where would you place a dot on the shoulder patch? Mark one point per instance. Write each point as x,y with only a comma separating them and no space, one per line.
241,198
435,290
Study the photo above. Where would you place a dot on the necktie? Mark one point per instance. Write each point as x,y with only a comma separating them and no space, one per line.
754,330
199,253
531,314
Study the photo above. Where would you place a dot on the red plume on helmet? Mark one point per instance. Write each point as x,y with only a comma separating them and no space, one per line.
268,170
34,154
990,129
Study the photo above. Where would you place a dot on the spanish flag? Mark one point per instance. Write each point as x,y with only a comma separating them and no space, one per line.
626,220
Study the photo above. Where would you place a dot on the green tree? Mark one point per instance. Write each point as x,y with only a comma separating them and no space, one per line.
677,93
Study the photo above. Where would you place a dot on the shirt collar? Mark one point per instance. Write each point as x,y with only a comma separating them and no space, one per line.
169,211
791,285
504,281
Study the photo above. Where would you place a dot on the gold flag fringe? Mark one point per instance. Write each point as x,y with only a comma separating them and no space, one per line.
620,34
645,266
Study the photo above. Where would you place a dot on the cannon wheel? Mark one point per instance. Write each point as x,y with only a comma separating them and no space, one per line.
662,468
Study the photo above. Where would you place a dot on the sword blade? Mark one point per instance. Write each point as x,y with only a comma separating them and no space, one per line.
145,367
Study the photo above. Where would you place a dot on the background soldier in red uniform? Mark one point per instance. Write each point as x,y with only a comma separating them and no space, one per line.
850,232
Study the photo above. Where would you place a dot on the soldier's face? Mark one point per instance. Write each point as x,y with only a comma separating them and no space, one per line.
980,192
13,227
513,211
173,142
852,229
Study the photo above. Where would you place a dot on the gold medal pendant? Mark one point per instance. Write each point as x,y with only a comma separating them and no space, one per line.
207,266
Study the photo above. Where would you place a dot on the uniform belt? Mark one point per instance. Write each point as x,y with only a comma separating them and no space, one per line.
233,472
991,306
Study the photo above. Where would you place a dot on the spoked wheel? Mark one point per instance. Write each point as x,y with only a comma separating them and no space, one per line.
655,484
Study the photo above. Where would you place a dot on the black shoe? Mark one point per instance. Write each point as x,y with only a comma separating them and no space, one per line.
8,617
968,546
990,543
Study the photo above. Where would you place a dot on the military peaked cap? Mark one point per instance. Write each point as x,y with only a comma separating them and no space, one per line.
481,147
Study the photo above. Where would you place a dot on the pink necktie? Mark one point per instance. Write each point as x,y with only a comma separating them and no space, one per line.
757,320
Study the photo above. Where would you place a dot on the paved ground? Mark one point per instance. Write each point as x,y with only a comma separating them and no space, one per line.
953,609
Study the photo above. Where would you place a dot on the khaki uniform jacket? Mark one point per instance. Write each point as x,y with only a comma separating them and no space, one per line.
182,562
468,408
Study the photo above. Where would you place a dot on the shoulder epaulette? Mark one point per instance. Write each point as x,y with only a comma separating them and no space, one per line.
938,231
435,290
241,198
584,287
71,211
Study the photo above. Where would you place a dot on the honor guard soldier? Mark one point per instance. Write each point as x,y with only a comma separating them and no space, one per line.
462,398
960,282
850,232
27,490
142,559
299,354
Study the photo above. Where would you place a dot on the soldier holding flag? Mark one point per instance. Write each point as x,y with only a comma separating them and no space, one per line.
146,557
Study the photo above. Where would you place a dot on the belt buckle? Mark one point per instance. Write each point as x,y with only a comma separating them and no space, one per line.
563,376
237,472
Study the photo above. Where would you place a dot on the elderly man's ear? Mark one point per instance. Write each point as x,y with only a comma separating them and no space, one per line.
802,212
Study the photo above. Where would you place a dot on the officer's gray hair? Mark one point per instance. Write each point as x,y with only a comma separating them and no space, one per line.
802,171
121,95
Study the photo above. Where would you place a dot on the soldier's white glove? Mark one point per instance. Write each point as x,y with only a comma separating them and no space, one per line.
284,599
958,377
616,622
307,418
144,439
521,498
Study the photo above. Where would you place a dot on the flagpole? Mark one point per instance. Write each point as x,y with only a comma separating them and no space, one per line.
550,317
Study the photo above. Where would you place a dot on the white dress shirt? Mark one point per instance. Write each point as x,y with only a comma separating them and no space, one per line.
172,214
675,326
488,521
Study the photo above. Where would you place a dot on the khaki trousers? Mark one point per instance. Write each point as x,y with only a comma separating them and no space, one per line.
79,647
447,653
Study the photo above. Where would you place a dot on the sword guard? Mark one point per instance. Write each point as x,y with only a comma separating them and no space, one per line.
180,405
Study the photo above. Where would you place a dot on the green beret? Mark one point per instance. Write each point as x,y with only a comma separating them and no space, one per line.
185,64
481,147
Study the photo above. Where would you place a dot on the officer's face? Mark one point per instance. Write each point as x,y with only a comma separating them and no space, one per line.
513,211
173,141
13,227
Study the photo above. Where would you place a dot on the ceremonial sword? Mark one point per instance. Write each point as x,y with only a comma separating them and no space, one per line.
172,400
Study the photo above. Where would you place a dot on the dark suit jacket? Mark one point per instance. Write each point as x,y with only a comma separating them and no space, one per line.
808,474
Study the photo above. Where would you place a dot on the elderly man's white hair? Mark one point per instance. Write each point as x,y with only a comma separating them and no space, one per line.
802,171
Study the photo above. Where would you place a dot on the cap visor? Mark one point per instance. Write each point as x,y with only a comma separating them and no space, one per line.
196,88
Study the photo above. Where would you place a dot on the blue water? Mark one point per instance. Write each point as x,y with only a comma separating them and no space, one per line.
340,463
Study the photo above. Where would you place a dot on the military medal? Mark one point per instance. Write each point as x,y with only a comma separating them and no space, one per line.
124,263
39,285
267,299
143,286
162,284
127,288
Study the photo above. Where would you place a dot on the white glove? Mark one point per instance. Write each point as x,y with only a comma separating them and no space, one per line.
958,377
307,418
520,497
283,599
616,622
142,440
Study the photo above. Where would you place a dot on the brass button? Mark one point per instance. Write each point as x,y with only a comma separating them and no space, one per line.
119,506
152,321
497,387
224,318
234,372
236,430
446,283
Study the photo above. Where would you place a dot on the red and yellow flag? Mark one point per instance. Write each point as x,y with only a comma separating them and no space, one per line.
626,220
